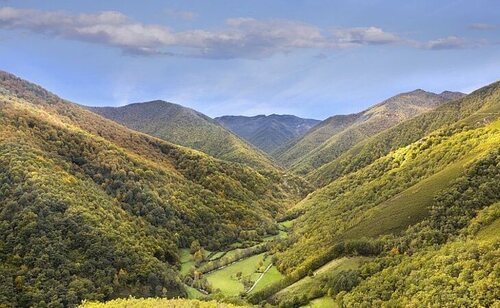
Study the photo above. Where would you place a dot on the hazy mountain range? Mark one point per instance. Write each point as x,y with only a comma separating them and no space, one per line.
268,132
187,127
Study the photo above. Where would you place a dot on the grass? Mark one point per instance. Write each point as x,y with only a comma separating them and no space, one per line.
217,255
323,302
306,284
225,279
490,233
281,234
287,224
406,208
155,303
187,261
193,293
270,277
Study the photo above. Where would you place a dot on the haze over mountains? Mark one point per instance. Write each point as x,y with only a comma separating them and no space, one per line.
397,205
268,133
187,127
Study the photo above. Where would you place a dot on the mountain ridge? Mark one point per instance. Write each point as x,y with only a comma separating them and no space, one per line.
93,210
187,127
336,134
267,132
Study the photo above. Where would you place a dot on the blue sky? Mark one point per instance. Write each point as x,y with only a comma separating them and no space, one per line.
308,58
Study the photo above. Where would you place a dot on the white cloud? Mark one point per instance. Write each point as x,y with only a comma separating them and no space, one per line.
450,42
240,38
482,26
364,36
185,15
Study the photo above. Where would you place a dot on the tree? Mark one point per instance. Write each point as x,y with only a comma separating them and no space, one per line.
198,257
195,246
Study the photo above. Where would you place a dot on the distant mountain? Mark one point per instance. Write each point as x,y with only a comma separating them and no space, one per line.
187,127
337,134
267,132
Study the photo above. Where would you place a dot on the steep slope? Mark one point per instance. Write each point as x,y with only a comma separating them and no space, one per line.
187,127
463,272
370,149
338,134
294,151
268,133
399,189
92,210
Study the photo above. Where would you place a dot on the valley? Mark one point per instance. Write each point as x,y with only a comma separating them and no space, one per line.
155,204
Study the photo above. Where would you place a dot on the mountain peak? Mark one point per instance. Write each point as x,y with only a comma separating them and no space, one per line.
451,95
267,132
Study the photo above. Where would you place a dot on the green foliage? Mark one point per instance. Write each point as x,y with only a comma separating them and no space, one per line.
360,195
338,134
339,274
156,303
475,109
187,127
92,210
460,274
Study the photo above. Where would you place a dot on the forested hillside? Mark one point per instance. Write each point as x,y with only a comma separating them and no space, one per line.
402,217
92,210
268,133
480,105
187,127
423,208
337,134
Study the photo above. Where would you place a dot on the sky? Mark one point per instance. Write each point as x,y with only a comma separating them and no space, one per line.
303,57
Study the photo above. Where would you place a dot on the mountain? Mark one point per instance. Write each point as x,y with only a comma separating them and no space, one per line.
410,212
92,210
187,127
267,132
337,134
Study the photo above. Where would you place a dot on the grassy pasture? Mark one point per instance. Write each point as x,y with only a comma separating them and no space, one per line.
270,277
186,259
225,278
323,302
406,208
306,284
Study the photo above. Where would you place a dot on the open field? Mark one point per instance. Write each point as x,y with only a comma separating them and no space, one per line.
187,261
308,283
225,279
406,208
323,302
271,276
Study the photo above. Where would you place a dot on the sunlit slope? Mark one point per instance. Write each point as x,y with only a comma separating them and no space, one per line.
463,272
479,106
338,134
187,127
157,303
90,209
393,192
295,150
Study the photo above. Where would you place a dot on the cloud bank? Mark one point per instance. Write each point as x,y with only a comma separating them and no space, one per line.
239,38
